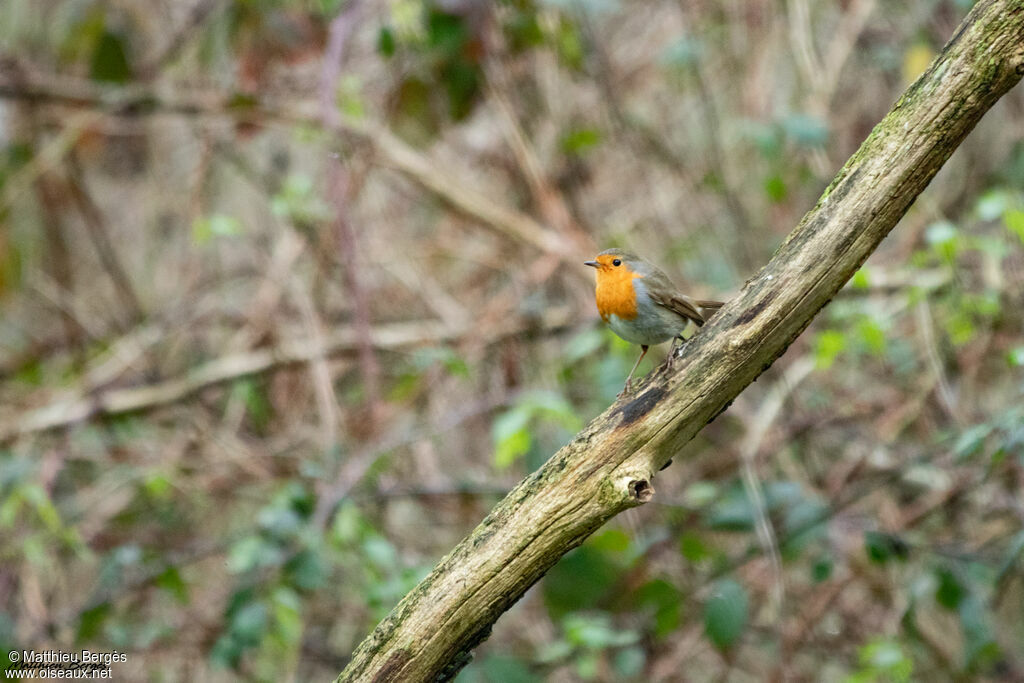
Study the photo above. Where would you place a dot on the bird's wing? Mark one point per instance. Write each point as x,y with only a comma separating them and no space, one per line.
680,304
664,293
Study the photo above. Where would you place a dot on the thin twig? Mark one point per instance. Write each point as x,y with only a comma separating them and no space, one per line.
141,100
770,407
94,223
326,402
356,466
347,246
549,202
197,16
947,399
77,408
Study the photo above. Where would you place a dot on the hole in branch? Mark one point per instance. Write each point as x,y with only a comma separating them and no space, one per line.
641,490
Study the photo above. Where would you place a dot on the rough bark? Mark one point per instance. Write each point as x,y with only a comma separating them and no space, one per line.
611,464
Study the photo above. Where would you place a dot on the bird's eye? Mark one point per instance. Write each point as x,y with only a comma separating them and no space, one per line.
617,262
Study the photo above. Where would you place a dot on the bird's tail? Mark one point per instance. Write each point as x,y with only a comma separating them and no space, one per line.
708,309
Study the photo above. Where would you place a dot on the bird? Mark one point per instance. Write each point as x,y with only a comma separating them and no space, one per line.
640,304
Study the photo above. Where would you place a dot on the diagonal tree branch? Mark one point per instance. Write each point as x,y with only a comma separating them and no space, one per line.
610,465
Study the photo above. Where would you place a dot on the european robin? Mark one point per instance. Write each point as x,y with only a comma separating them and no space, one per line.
640,303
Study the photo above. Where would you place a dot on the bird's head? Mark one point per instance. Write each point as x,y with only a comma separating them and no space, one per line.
616,263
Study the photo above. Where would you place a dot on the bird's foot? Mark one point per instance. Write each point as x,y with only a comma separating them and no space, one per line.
675,352
626,389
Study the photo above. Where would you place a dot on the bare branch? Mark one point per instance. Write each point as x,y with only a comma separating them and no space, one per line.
77,408
391,152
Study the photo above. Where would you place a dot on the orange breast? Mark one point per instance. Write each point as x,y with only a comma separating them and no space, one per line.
615,293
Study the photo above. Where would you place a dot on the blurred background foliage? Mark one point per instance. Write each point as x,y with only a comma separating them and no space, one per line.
292,292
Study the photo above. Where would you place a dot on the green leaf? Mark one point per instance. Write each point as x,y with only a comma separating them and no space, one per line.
348,524
579,581
940,232
110,59
821,570
629,662
501,668
993,204
667,602
692,547
279,522
216,225
510,435
554,405
158,486
803,523
511,448
172,582
981,649
569,44
587,666
554,651
581,140
871,336
880,547
349,97
960,328
950,592
445,31
511,431
447,357
249,623
583,344
252,552
297,201
731,513
305,571
36,496
380,553
700,494
241,101
594,631
91,621
522,30
614,541
725,614
386,42
827,347
287,611
1016,548
767,138
971,440
775,188
861,279
943,237
1014,220
886,659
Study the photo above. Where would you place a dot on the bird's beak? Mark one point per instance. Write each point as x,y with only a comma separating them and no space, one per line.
592,264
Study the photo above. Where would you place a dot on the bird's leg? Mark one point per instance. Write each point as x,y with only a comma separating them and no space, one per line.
673,353
626,389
